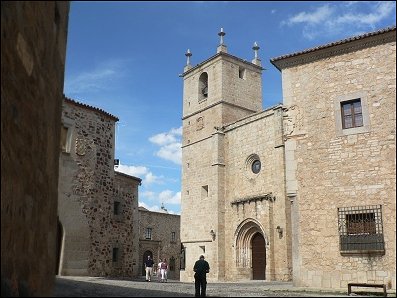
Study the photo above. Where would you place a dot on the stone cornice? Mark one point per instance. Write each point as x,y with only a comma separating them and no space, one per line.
220,54
128,176
336,48
214,104
267,197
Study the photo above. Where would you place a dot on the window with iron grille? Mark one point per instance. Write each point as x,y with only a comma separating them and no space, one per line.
361,229
148,233
173,236
352,115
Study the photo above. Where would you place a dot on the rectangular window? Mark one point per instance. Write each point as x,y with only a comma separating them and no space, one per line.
361,229
204,191
148,233
241,73
173,236
352,115
116,208
116,256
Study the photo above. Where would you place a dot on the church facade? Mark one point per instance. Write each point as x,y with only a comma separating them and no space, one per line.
301,191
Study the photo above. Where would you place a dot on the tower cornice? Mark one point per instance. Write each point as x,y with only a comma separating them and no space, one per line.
220,54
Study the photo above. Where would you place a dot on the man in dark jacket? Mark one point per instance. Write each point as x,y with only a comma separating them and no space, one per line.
201,268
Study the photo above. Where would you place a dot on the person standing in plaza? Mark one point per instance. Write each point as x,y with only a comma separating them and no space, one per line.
149,268
164,268
201,268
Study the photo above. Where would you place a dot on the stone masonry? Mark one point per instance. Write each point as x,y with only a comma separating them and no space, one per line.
33,49
98,207
350,167
163,242
224,204
286,187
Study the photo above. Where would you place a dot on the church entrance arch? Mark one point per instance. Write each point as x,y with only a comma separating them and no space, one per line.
145,255
251,249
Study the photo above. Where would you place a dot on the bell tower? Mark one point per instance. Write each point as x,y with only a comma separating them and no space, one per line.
216,92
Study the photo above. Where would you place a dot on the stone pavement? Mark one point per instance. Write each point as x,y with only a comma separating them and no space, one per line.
73,286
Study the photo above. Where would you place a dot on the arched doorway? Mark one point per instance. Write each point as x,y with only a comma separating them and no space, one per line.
145,255
258,245
250,249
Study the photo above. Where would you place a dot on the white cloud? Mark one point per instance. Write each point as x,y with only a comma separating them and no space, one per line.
342,18
169,197
96,79
319,15
170,145
141,172
147,194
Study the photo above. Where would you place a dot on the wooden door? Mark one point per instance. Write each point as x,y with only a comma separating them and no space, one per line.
258,257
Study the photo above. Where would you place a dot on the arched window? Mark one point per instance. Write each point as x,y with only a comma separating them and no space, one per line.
203,86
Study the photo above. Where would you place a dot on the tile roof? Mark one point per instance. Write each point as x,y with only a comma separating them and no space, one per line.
69,100
328,45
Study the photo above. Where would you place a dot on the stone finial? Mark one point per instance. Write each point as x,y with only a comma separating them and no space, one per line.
188,65
188,55
222,47
256,60
221,34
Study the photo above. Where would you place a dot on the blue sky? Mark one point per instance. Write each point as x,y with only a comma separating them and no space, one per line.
125,58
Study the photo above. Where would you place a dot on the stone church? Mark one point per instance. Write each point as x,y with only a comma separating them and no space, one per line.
304,190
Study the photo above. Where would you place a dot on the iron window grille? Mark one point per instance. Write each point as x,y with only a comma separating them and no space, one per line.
361,229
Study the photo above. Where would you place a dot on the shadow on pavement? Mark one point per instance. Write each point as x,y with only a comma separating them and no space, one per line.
74,288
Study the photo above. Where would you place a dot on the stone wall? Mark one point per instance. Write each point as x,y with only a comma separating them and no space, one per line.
33,48
248,209
88,190
329,168
161,243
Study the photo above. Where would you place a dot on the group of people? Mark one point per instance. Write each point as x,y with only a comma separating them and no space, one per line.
162,269
201,268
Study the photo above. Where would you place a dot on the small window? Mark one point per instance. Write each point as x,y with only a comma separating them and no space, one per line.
241,73
148,234
65,139
173,236
202,249
116,254
352,115
361,229
256,166
116,208
204,191
203,86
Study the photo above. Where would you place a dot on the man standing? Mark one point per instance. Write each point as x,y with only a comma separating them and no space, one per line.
201,268
149,268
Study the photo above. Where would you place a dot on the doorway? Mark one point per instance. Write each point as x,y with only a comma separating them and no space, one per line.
58,246
258,257
145,255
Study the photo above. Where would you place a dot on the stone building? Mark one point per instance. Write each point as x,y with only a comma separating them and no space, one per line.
301,191
33,49
340,133
159,237
98,206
